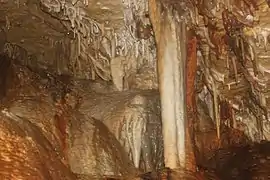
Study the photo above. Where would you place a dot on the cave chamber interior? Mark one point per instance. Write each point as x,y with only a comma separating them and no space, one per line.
134,89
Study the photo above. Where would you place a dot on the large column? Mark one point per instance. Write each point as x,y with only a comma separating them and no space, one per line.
171,41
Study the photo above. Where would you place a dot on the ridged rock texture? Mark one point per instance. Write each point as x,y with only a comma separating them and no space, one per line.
148,83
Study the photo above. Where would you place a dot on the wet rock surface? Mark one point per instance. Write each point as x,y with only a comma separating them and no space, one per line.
82,145
25,153
93,150
232,58
134,119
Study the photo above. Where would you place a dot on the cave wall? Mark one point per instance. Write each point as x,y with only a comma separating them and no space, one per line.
34,38
233,64
115,41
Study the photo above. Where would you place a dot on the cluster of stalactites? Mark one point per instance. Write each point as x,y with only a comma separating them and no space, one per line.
97,44
232,34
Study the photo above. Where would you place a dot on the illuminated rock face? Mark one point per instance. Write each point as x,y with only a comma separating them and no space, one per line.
232,64
133,117
93,150
234,53
52,130
26,153
114,41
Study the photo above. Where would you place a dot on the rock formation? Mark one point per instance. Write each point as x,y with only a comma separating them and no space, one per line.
159,78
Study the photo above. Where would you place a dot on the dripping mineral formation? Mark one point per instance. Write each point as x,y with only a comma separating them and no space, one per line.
134,89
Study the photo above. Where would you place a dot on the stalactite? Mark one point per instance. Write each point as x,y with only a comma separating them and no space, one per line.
137,49
116,39
242,49
143,47
216,109
227,60
148,54
79,42
235,69
125,48
113,48
254,57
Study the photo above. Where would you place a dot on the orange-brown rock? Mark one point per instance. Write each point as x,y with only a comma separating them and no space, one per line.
26,154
